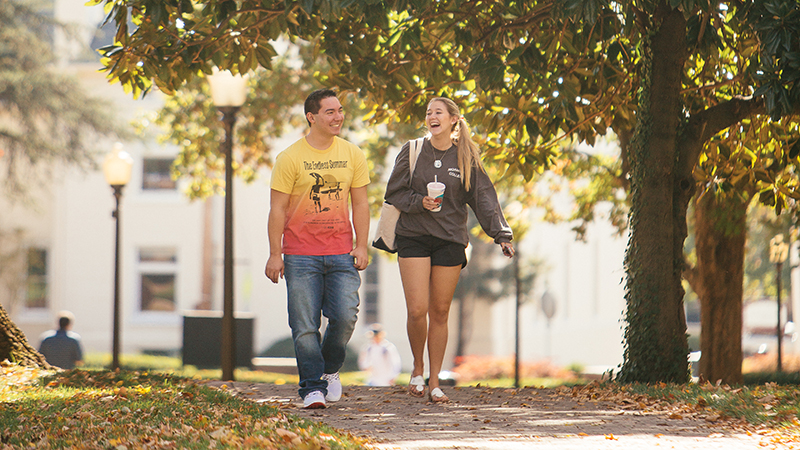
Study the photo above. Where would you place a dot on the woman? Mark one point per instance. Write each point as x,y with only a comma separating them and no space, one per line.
431,242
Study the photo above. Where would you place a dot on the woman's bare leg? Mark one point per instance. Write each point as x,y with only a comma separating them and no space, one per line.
443,281
416,275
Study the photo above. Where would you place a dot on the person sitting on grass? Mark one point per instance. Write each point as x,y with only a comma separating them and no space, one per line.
62,347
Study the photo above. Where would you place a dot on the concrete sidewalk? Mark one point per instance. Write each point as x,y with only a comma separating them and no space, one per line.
508,419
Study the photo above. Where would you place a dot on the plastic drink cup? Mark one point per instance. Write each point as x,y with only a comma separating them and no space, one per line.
436,190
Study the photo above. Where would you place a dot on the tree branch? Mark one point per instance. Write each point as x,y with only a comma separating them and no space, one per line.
535,16
727,114
705,124
691,275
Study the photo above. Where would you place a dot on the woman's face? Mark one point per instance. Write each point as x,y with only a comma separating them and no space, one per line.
438,120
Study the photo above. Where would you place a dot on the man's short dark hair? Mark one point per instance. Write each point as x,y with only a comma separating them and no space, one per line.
63,322
312,104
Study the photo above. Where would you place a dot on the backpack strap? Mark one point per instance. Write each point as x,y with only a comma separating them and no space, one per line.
414,147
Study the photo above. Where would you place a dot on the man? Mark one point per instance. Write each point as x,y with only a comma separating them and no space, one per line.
62,347
380,357
311,243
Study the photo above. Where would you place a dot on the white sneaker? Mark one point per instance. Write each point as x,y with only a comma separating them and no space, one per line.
314,400
334,386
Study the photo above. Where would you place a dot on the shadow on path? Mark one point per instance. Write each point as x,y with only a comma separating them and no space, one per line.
498,418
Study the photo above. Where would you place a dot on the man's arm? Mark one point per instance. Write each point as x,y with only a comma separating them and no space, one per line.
279,202
360,204
78,354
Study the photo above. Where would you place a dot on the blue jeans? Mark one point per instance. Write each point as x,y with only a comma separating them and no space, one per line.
320,285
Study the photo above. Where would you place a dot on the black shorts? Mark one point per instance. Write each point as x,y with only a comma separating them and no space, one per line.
441,252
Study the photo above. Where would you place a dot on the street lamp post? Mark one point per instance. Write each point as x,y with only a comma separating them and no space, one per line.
228,92
517,304
778,251
117,170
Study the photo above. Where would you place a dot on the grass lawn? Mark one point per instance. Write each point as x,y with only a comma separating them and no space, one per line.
99,409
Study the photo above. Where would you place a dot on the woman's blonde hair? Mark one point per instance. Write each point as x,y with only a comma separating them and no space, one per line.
469,155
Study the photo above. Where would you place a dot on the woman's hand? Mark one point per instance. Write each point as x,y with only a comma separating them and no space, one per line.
429,203
508,249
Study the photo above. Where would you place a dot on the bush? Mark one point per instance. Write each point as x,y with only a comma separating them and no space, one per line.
284,348
472,368
133,362
779,378
769,363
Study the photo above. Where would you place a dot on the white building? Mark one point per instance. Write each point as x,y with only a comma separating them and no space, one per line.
69,241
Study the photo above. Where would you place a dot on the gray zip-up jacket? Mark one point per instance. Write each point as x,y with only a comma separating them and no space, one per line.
450,223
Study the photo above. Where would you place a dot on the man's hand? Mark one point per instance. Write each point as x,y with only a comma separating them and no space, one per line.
274,269
360,205
278,204
361,257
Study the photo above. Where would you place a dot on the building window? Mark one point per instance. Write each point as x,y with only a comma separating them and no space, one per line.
158,269
36,283
156,174
371,292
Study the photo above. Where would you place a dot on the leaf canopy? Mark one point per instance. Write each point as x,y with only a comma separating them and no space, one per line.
528,74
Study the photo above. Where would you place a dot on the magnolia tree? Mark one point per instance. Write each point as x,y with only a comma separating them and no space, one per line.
700,94
46,120
47,117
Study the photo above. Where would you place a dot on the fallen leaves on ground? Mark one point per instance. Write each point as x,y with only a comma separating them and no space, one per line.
127,410
15,379
770,410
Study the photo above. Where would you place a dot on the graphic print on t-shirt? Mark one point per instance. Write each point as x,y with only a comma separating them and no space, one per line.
326,185
318,181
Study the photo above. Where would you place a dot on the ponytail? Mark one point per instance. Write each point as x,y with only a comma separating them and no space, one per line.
469,155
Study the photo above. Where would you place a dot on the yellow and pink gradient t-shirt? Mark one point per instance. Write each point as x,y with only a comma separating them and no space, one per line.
319,182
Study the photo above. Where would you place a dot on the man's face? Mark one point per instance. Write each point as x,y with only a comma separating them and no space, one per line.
330,117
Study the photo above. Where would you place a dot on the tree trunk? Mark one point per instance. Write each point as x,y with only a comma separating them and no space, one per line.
466,305
15,347
721,230
470,290
655,335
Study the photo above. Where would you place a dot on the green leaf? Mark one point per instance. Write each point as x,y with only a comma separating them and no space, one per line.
532,128
489,71
264,55
516,53
250,62
725,150
225,9
794,150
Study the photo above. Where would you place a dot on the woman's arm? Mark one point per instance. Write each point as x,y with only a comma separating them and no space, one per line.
398,189
482,198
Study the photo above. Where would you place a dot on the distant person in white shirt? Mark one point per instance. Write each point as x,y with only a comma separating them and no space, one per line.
380,358
62,347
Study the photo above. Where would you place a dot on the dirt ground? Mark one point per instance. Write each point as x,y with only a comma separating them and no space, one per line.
483,418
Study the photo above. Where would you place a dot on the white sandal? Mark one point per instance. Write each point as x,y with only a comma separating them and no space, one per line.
416,386
437,396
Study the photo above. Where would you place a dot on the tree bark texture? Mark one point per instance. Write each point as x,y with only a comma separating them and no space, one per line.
655,335
466,305
719,257
470,291
721,232
15,347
